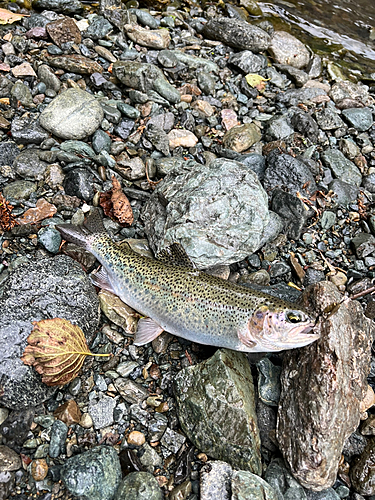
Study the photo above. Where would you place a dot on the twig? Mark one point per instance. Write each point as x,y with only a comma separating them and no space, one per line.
362,294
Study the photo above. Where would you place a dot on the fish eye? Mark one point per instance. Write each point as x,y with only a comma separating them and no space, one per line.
294,317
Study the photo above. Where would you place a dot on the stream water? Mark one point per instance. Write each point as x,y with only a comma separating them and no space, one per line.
343,28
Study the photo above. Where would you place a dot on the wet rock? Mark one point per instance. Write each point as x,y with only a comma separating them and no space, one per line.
172,440
50,239
64,30
8,152
288,173
293,97
78,182
124,128
15,428
75,63
362,473
269,382
328,119
346,89
242,137
19,190
279,128
155,39
287,49
145,77
237,33
248,62
59,434
246,485
282,482
46,288
210,396
9,459
341,167
101,141
65,6
139,486
328,494
28,165
48,77
215,481
292,212
74,114
363,244
27,130
118,312
345,193
159,139
101,412
340,357
305,124
99,27
130,391
369,183
20,94
94,474
359,118
218,187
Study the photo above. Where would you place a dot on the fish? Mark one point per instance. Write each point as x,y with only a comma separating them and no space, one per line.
172,295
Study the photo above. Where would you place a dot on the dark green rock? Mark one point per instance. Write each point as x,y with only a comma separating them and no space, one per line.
216,409
139,486
101,141
246,485
128,111
341,167
359,118
282,482
59,434
94,474
269,382
50,238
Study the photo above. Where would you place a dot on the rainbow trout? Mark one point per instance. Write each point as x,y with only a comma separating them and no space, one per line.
190,303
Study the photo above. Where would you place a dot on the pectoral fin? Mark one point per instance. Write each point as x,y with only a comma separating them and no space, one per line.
101,280
147,331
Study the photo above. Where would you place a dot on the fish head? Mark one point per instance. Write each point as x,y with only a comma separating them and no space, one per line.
276,329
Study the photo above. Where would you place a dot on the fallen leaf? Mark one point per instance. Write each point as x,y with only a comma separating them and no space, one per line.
7,220
8,17
57,350
256,81
121,205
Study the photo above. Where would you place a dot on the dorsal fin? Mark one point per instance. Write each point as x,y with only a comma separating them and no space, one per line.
94,222
176,255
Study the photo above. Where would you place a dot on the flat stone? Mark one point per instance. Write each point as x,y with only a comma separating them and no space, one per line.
101,412
220,202
99,28
341,167
27,130
66,6
46,288
118,312
130,391
346,89
237,33
20,94
24,69
47,76
75,63
64,30
59,433
155,39
347,363
94,474
19,190
328,119
9,459
73,114
345,193
359,118
287,49
210,397
248,62
28,165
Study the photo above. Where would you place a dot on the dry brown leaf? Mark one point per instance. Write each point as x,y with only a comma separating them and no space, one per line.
57,350
121,205
8,17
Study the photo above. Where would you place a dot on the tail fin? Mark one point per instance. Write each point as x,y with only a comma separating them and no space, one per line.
79,234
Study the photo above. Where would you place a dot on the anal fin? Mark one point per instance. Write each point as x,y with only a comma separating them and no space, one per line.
100,279
147,331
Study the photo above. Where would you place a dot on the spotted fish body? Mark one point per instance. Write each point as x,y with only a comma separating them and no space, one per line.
190,303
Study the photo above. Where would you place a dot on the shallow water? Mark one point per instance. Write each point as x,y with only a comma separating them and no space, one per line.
330,25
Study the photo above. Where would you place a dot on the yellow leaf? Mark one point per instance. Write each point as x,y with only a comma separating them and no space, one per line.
8,17
57,350
256,81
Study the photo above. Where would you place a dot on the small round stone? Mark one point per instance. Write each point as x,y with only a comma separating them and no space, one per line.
39,469
136,438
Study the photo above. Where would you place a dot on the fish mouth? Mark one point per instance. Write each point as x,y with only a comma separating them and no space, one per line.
301,336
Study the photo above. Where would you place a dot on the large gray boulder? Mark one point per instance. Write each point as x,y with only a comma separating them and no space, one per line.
42,289
218,212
